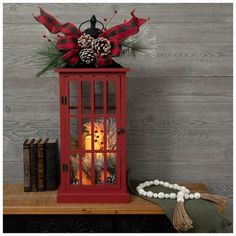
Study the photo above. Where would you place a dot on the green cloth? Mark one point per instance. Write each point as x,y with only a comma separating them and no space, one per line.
205,216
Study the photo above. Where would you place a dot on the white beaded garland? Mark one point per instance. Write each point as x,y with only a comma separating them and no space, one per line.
141,191
149,193
144,193
172,195
166,184
197,195
182,194
191,196
175,186
155,195
161,195
167,195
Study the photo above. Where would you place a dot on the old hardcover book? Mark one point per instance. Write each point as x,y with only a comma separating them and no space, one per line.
34,165
41,164
51,164
26,156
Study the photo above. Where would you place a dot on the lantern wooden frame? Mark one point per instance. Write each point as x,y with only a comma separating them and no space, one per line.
93,193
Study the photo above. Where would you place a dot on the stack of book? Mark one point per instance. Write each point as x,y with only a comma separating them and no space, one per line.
41,165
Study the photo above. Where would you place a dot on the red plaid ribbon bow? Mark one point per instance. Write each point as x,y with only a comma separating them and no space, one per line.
69,42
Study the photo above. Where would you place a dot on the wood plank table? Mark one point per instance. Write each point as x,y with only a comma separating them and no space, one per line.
16,201
20,207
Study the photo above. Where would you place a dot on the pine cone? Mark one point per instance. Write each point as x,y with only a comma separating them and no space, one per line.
87,55
85,40
101,46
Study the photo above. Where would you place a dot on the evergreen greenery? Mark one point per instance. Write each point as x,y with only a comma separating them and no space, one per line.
132,46
49,57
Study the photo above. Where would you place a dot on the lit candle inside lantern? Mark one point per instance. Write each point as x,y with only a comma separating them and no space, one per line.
88,143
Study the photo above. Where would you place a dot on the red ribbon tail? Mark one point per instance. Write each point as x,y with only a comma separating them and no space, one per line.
122,31
115,48
67,43
54,26
71,57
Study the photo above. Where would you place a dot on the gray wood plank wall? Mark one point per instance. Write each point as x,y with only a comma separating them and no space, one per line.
179,104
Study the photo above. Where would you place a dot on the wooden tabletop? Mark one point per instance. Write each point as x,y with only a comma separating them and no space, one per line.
16,201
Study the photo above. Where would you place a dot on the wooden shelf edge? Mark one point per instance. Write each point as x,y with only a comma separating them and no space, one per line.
17,202
47,211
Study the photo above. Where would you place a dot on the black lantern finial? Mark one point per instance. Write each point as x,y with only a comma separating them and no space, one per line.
93,31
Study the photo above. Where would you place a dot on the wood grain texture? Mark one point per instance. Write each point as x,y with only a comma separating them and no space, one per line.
167,33
45,203
160,13
184,56
179,103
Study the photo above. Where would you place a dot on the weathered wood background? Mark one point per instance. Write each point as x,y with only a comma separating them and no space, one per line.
179,104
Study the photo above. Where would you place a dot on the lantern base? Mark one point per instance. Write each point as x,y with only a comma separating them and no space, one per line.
69,197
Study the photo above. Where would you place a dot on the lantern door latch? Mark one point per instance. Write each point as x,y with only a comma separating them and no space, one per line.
121,131
65,167
63,100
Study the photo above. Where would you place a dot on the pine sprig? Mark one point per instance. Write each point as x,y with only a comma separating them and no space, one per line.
143,43
132,46
48,57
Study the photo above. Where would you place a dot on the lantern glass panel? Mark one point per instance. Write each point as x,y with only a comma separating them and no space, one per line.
99,168
111,134
111,97
111,168
98,95
86,97
74,169
73,97
87,169
74,144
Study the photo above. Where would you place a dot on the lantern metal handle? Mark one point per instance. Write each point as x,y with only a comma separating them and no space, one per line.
121,131
93,22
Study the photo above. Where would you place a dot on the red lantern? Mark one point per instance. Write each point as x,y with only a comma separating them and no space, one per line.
93,137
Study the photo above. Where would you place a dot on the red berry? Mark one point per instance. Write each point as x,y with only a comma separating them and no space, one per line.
44,36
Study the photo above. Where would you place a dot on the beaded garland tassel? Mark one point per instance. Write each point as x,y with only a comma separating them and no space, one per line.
181,220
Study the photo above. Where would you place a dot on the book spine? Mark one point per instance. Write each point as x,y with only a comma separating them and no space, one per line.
33,167
26,154
41,180
51,163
